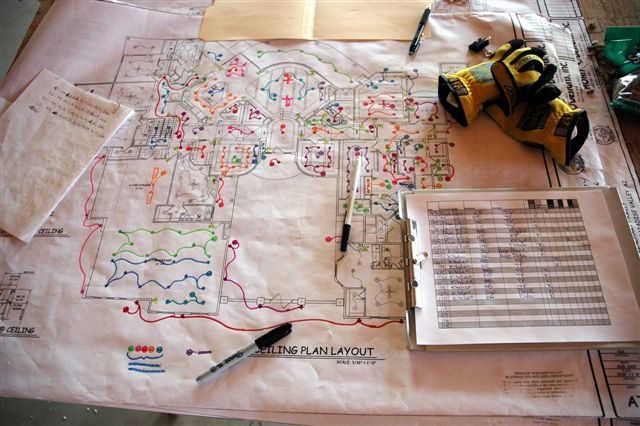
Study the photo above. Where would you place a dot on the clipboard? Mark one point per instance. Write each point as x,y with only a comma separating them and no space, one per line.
424,291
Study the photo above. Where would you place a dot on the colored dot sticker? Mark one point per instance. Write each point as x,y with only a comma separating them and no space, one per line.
138,348
144,349
131,348
159,349
151,349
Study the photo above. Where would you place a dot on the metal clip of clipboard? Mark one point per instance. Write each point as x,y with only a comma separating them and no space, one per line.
413,259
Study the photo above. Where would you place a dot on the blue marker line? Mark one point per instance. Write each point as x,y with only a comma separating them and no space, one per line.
162,262
159,284
142,370
145,364
193,299
115,278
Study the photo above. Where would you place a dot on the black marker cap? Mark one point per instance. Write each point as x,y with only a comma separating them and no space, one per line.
274,335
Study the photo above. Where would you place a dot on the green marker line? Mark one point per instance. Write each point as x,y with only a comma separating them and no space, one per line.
129,243
261,53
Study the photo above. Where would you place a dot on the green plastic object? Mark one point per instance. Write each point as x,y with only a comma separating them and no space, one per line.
620,42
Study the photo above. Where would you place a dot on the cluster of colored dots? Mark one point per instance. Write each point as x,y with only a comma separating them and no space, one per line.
145,349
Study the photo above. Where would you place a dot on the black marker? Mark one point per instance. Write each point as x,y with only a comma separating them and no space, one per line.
346,228
261,342
417,39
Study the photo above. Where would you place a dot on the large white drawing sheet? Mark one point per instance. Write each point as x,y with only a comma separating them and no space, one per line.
213,215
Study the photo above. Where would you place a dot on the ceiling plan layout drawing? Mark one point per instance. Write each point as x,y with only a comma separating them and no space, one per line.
213,124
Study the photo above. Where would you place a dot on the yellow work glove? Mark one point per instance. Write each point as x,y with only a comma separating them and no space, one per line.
464,93
554,125
510,83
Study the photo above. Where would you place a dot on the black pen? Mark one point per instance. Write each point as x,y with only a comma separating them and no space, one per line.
260,343
417,39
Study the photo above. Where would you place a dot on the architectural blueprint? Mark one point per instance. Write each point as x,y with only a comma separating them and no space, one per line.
214,214
183,7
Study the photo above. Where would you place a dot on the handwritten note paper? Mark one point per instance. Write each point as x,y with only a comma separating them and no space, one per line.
48,137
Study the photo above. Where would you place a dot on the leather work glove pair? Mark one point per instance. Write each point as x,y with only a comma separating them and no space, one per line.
513,88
